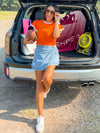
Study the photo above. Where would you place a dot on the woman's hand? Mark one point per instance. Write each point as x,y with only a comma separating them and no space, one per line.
30,37
57,17
26,41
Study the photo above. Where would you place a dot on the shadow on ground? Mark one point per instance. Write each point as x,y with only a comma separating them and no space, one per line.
19,95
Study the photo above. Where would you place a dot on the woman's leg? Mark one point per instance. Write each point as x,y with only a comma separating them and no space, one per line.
39,92
43,83
47,77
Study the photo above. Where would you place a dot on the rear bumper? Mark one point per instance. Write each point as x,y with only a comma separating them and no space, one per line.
59,75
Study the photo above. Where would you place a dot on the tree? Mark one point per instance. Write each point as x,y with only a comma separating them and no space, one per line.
9,5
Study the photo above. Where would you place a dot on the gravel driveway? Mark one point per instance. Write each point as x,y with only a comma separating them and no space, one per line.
69,108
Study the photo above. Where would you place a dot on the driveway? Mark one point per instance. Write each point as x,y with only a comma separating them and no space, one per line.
69,108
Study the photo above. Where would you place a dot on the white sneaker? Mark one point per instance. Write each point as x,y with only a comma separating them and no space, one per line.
40,124
45,94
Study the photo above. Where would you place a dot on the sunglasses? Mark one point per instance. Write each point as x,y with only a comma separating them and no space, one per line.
51,12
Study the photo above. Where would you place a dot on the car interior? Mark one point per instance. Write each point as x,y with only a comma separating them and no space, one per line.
66,13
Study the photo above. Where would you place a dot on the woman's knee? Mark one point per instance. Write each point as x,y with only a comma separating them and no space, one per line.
47,76
40,87
47,80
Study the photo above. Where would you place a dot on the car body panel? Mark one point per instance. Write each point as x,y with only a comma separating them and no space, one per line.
58,75
80,1
91,3
67,73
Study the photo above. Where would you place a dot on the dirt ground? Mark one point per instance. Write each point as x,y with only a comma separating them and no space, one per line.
69,108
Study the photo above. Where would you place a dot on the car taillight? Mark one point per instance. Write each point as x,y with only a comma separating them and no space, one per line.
7,42
6,69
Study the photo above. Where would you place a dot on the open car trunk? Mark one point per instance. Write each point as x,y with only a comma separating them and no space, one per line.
90,3
76,21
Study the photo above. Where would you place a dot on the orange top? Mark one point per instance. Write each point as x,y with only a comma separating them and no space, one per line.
45,32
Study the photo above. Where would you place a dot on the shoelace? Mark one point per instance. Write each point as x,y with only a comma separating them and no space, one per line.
40,124
40,119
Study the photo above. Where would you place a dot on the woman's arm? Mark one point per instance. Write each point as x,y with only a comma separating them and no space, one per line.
56,33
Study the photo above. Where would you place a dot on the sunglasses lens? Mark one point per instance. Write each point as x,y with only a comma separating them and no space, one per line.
47,11
51,12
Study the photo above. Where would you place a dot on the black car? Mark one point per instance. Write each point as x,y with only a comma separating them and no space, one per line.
79,64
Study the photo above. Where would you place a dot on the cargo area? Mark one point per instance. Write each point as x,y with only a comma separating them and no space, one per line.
76,40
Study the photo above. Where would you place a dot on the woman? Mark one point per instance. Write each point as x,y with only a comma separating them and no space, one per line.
46,56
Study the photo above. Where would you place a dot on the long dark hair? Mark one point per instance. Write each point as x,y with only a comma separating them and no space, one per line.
54,6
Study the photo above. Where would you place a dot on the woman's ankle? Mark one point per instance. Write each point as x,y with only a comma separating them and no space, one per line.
41,114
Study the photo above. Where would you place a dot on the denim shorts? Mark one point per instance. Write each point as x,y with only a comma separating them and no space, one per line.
45,56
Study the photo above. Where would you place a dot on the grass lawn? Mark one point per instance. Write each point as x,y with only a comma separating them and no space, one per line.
7,15
11,14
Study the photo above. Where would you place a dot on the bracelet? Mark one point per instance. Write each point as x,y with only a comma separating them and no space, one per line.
57,22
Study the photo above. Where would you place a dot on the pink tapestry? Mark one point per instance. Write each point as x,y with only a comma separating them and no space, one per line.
74,25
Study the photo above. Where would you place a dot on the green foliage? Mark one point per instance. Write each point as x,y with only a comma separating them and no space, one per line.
98,6
10,5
